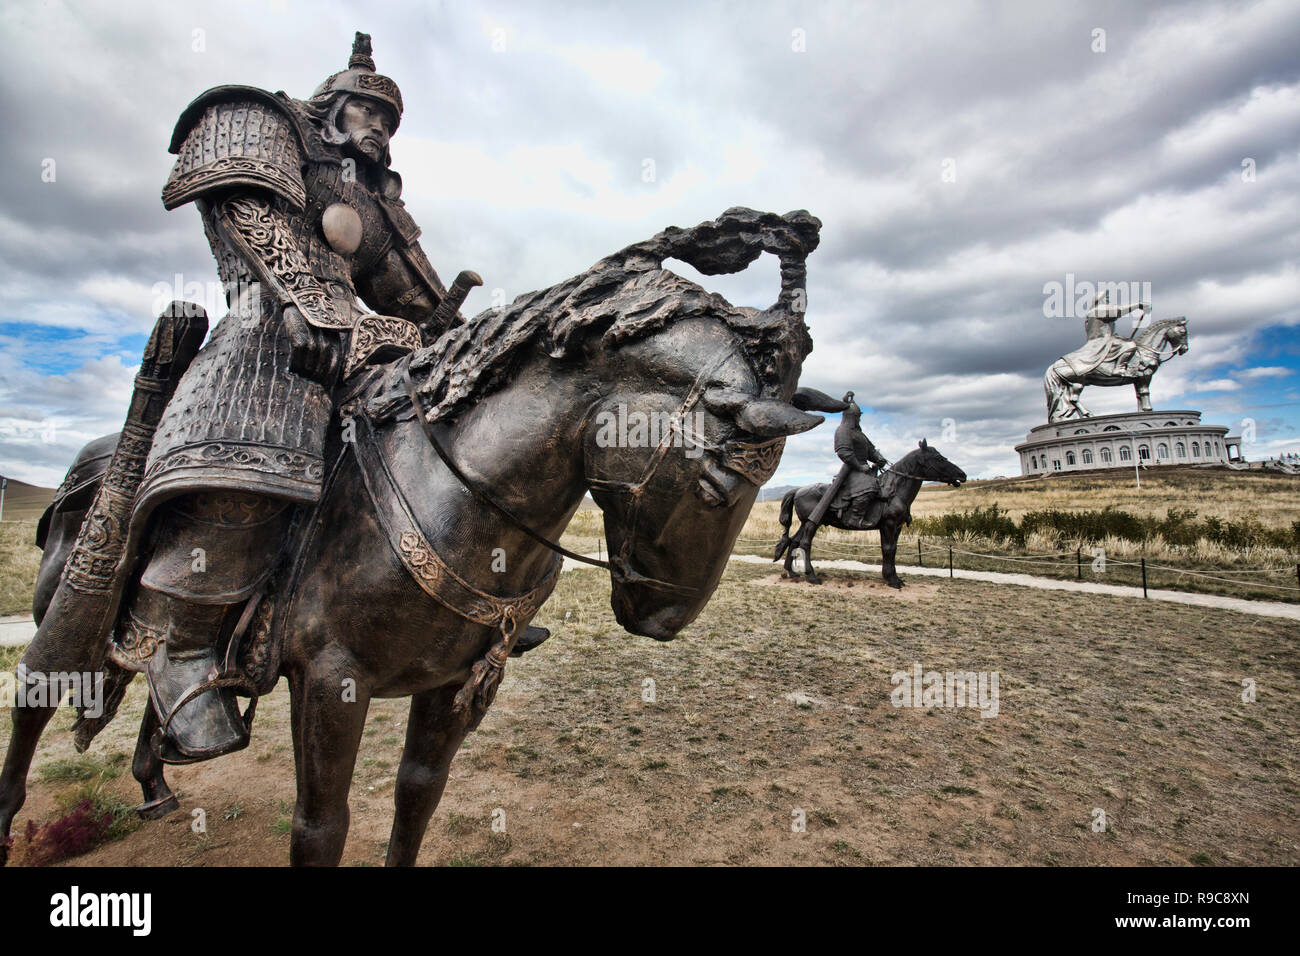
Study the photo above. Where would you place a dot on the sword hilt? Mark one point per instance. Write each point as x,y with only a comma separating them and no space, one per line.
452,301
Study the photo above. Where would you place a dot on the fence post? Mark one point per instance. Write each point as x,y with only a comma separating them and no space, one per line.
1078,560
919,562
1144,577
949,560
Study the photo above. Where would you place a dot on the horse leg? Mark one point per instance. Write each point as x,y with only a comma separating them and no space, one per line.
328,711
796,543
1076,392
28,721
808,571
888,552
433,736
147,768
1143,389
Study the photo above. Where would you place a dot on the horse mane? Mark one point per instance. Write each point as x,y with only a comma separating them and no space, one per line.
1158,328
626,297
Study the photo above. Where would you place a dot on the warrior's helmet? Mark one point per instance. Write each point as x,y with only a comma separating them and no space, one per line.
359,79
852,414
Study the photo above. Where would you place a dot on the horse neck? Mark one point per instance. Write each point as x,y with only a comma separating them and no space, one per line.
521,446
903,486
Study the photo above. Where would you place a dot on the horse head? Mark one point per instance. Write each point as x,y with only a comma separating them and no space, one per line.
926,463
719,380
674,403
1171,332
1176,336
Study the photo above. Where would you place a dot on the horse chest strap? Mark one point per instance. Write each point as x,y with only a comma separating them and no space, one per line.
418,556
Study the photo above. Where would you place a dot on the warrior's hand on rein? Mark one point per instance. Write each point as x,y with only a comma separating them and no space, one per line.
313,353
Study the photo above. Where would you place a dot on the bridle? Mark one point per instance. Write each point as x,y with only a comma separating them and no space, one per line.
903,474
618,565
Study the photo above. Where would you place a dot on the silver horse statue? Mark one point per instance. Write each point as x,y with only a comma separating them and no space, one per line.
1111,359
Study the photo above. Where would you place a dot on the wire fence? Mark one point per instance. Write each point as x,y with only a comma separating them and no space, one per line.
1060,561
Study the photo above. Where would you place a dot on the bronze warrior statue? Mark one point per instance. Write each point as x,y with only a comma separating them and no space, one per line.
858,481
860,498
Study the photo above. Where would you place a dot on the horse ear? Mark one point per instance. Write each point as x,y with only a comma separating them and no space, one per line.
764,417
922,444
811,400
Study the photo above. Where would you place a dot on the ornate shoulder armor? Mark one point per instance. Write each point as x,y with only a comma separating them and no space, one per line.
235,136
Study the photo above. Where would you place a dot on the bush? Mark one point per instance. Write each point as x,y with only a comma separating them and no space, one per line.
75,833
1087,525
992,523
1179,528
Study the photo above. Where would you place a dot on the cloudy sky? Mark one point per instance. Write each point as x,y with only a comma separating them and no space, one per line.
961,157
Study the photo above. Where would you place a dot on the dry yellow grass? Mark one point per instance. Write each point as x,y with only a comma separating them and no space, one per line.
19,559
1230,495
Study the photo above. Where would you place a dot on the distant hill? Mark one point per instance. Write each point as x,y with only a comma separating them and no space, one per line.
25,502
774,492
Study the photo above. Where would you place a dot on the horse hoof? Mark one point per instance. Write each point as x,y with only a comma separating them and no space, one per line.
896,584
813,580
157,809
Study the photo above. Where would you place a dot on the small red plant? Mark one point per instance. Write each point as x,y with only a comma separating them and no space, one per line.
78,832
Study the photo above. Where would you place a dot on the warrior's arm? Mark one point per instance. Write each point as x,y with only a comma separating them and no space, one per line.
1109,312
846,450
258,230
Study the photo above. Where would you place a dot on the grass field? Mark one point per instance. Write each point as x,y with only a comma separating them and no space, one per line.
1232,495
777,702
24,501
19,559
1271,500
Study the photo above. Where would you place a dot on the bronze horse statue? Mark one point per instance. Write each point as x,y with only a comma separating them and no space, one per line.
892,508
454,470
1109,359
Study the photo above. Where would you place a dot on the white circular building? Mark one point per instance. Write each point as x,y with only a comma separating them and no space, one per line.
1116,441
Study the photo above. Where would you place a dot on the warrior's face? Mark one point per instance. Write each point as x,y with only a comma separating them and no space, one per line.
368,125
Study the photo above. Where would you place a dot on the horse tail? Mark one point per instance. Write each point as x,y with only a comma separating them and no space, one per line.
787,513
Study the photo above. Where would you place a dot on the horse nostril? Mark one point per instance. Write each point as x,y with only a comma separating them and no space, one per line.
717,486
708,494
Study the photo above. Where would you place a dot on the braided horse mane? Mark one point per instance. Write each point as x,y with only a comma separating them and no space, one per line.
1153,334
628,296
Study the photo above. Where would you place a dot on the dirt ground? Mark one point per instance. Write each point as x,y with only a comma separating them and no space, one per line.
1107,704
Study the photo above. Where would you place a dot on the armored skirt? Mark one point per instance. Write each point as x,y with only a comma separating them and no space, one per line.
240,421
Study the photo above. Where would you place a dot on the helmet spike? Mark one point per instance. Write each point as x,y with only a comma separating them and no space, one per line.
361,58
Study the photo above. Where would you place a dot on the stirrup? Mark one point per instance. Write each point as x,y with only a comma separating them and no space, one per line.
169,751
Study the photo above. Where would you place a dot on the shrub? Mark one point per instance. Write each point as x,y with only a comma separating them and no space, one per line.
993,523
